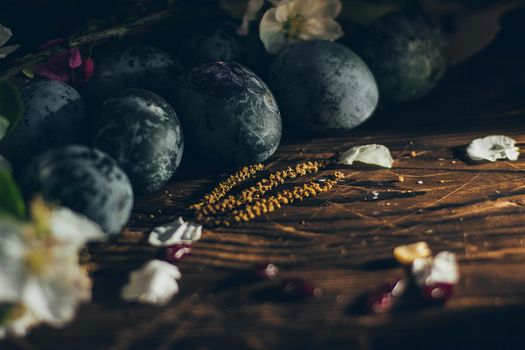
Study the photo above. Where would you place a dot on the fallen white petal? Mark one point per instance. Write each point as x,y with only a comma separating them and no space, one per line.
492,148
368,154
178,231
155,283
442,268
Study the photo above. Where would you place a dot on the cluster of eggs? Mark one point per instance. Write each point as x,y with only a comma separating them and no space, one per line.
147,106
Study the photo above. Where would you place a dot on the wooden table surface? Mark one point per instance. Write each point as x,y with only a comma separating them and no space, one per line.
342,240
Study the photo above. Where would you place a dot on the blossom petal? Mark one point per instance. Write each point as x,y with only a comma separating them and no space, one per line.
271,33
55,294
5,35
283,11
368,154
7,50
319,8
86,70
75,58
155,283
12,251
492,148
19,326
59,62
4,164
71,288
321,28
442,268
243,29
75,229
35,298
178,231
44,71
51,43
253,7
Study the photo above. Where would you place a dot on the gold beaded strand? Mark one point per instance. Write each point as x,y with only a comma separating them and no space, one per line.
258,190
274,202
226,186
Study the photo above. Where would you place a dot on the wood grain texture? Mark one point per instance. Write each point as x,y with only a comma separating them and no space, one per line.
342,240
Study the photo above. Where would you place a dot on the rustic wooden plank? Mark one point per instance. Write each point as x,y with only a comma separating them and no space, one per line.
342,240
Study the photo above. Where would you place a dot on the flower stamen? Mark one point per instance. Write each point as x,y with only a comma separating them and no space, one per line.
293,27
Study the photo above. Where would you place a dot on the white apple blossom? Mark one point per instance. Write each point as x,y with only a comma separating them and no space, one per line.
40,272
295,20
155,283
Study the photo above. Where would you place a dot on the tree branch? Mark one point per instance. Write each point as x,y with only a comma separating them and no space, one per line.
16,66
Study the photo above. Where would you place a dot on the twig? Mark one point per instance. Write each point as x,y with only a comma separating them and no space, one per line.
16,66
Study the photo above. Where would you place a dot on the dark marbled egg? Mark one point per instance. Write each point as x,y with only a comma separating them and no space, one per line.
323,87
85,180
228,113
143,67
141,131
406,53
54,115
216,43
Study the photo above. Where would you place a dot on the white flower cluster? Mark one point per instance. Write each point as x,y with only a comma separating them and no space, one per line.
291,21
41,280
288,21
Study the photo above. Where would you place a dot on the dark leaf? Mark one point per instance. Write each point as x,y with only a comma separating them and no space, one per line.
11,107
11,201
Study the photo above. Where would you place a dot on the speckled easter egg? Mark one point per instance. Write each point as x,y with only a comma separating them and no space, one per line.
85,180
323,87
144,67
216,43
141,131
406,53
54,115
228,113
